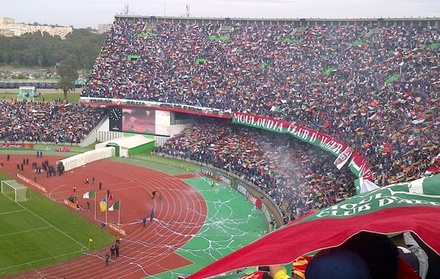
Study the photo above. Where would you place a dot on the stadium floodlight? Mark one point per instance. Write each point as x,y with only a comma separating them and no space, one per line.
14,190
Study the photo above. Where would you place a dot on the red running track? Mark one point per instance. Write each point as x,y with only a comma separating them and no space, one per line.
144,251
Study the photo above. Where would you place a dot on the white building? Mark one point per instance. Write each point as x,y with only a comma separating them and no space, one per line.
104,28
9,28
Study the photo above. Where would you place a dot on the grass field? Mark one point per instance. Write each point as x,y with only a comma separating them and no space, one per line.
40,232
73,97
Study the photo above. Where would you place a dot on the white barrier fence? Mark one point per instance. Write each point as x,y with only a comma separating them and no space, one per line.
87,157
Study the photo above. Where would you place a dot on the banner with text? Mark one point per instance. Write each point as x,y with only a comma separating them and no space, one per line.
219,113
16,145
358,165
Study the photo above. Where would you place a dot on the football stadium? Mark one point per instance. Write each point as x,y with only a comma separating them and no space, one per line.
232,148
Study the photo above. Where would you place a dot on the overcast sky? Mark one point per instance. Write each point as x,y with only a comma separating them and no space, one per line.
90,13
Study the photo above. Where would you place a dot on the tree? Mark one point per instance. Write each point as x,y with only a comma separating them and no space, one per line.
66,85
68,72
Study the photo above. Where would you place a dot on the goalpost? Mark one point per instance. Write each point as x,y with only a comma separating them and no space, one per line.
14,190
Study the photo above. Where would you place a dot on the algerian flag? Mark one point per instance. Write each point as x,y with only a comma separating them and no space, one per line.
115,206
89,194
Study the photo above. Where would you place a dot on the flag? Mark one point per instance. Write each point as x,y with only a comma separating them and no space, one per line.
90,239
201,61
364,185
115,206
103,204
411,206
343,158
89,194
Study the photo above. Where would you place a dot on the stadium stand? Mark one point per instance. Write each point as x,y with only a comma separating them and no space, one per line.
372,86
297,176
54,122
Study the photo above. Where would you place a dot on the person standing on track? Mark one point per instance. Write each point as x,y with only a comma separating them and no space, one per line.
113,251
117,249
152,215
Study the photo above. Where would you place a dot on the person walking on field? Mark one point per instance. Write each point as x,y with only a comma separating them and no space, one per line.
107,259
87,180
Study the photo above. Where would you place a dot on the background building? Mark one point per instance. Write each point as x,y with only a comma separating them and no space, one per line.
9,28
104,28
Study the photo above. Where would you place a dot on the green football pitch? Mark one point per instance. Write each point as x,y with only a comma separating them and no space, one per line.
39,232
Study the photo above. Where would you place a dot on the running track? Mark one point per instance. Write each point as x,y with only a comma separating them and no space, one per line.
144,251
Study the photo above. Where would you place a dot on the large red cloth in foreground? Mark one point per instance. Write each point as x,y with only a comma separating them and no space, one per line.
413,206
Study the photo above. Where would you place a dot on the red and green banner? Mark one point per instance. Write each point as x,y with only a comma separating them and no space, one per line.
310,136
65,148
358,165
413,206
16,145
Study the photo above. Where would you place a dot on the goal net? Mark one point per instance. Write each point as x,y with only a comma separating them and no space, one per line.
14,190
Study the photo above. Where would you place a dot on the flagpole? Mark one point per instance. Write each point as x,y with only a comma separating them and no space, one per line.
119,213
95,207
106,211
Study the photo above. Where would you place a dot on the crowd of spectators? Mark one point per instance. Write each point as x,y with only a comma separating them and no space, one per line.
299,177
374,88
55,122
